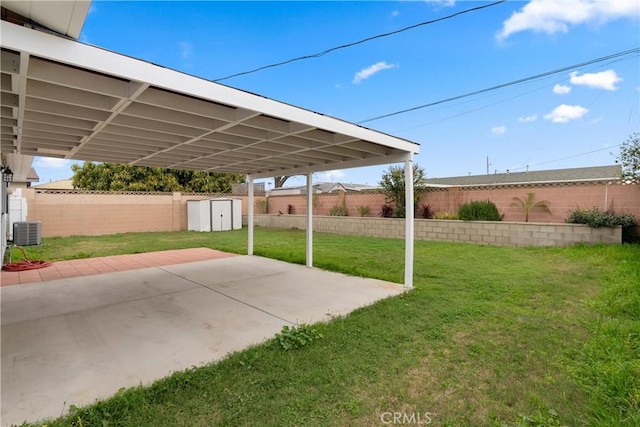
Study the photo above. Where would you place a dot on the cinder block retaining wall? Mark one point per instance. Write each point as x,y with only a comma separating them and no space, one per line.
481,232
65,213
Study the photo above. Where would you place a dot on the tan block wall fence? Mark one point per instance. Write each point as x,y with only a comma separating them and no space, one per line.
68,213
481,232
65,213
621,198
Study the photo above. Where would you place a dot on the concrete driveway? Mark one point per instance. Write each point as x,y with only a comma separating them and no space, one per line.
73,341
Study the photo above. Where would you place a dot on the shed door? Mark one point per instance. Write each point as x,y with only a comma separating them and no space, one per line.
220,215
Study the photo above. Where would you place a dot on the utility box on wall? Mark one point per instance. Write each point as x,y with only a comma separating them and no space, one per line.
219,214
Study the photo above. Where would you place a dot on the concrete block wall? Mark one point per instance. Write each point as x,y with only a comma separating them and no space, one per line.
480,232
65,213
563,199
85,214
93,213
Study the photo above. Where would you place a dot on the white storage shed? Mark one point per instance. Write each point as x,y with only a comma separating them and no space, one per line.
220,214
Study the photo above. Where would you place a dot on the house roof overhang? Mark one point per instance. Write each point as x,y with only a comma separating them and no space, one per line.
62,98
64,17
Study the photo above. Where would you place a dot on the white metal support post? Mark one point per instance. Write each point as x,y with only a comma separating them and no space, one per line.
309,220
250,218
409,222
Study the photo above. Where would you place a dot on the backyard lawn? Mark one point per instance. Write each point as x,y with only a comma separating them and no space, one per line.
490,336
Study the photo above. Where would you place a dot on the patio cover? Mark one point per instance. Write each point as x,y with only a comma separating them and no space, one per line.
65,99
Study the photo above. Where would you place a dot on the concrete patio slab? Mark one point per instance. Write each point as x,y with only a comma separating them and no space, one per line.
73,341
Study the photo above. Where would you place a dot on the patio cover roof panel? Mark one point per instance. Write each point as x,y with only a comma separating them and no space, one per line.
62,98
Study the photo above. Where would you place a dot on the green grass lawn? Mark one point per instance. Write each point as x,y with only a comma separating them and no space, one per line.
490,336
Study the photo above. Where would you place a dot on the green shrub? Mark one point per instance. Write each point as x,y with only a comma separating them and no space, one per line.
479,210
338,210
594,217
262,206
426,211
386,211
363,210
447,215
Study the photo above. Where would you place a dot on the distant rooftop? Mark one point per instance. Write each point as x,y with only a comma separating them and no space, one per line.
324,187
597,173
32,175
61,184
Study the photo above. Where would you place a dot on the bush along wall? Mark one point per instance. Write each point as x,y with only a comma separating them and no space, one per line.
594,217
479,210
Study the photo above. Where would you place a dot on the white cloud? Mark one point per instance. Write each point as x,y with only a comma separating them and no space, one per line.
602,80
186,49
331,175
498,130
528,119
365,73
596,120
445,3
395,13
53,163
564,113
552,16
561,89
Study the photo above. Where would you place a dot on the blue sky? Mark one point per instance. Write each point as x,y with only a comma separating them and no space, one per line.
571,119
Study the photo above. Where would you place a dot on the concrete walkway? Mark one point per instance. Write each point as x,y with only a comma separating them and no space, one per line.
71,341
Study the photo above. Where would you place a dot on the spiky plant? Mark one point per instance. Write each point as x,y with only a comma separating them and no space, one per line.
529,203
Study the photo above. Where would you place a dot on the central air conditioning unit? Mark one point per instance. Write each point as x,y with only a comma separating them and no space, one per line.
27,233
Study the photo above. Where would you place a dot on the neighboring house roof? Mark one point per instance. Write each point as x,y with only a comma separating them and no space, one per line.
61,184
322,187
597,173
32,176
243,189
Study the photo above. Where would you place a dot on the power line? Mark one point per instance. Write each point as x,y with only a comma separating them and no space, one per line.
509,99
512,83
568,157
344,46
